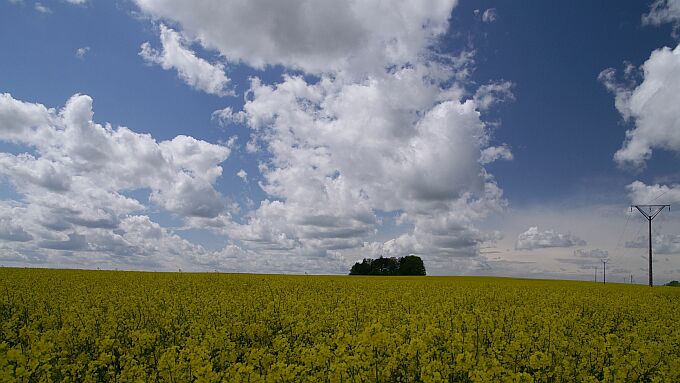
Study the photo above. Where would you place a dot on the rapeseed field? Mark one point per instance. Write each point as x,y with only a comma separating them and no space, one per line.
111,326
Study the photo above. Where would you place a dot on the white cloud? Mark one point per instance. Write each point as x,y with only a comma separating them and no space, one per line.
317,37
494,153
227,116
195,71
10,229
81,52
533,238
490,15
640,193
76,2
651,106
492,93
343,149
41,8
663,11
384,129
242,174
661,243
74,180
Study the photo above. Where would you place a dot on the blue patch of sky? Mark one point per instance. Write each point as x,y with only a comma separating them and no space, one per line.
389,228
7,191
209,240
563,127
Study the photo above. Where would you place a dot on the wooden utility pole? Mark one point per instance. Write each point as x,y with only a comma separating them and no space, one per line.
650,212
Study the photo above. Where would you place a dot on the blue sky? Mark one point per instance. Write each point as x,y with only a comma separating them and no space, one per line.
293,137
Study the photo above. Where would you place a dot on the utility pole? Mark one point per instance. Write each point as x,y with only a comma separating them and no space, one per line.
631,279
595,274
650,212
604,271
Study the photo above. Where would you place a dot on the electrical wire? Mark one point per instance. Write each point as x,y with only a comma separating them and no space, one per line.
618,243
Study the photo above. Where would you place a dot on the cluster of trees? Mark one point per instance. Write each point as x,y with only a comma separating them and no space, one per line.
673,284
409,265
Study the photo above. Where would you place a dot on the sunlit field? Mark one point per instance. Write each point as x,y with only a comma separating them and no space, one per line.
60,325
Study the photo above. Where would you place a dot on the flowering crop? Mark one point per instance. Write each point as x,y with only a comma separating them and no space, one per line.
60,325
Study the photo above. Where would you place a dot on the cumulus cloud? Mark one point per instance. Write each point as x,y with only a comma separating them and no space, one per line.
10,229
650,106
343,149
381,127
641,193
194,71
75,174
316,37
227,116
533,238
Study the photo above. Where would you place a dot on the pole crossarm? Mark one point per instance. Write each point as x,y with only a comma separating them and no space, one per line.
652,210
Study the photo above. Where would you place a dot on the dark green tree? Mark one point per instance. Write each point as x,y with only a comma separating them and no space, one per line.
409,265
363,268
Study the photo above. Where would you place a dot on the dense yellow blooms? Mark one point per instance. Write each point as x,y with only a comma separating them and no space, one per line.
60,325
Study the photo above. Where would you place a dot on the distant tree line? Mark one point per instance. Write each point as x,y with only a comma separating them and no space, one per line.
673,284
408,265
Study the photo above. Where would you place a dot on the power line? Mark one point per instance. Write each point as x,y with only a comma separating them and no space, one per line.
657,197
618,243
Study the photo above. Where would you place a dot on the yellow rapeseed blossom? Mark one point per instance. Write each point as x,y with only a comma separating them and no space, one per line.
101,326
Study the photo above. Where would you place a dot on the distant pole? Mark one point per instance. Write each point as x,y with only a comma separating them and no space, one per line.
604,271
653,211
595,274
631,279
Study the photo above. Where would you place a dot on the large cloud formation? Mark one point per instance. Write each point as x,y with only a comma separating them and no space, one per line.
313,36
75,177
383,126
369,121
